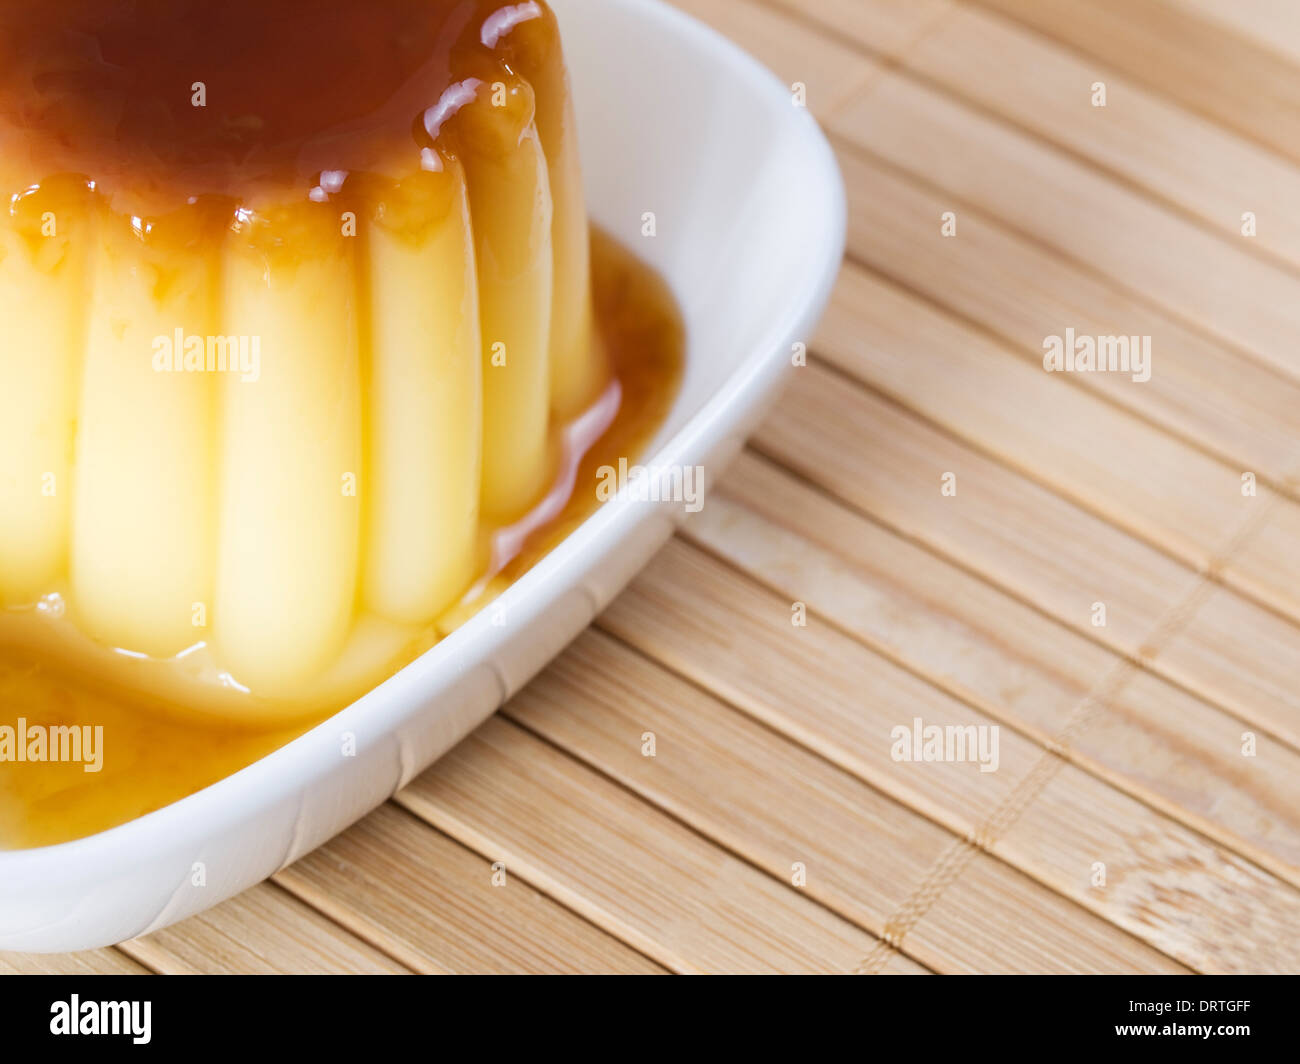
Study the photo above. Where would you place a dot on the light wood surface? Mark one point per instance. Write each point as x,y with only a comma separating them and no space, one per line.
771,830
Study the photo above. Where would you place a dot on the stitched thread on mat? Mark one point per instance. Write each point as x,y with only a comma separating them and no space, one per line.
954,860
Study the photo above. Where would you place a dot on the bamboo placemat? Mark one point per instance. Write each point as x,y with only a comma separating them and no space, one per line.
1100,587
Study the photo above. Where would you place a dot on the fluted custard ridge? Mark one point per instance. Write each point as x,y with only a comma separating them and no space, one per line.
273,413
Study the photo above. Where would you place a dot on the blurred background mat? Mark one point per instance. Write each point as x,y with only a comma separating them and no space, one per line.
1105,569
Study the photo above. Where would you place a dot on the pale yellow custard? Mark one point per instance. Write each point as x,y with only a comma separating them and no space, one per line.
296,316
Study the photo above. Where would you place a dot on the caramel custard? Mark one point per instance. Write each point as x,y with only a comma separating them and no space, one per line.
306,351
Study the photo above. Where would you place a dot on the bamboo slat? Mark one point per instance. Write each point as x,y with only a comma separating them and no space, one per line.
1266,23
1116,466
1167,45
262,931
1017,290
1034,544
831,71
1139,245
88,962
432,904
887,26
1206,392
958,149
821,688
640,874
1153,739
1172,154
777,804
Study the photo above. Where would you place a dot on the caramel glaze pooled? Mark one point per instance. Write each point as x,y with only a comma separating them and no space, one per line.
380,199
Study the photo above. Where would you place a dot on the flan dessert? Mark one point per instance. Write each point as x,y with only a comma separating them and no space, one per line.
296,316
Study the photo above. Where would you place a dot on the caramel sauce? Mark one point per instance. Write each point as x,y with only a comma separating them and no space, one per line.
163,101
154,752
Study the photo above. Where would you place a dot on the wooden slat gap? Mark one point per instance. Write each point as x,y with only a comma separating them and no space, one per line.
897,62
1148,665
521,870
624,786
977,841
289,886
1285,481
273,883
136,960
1153,87
1038,736
999,823
1047,741
540,882
888,60
1148,192
614,637
1212,566
846,144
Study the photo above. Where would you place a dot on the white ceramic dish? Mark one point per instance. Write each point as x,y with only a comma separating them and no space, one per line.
750,217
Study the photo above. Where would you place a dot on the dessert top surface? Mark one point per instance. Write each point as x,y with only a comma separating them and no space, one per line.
157,101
